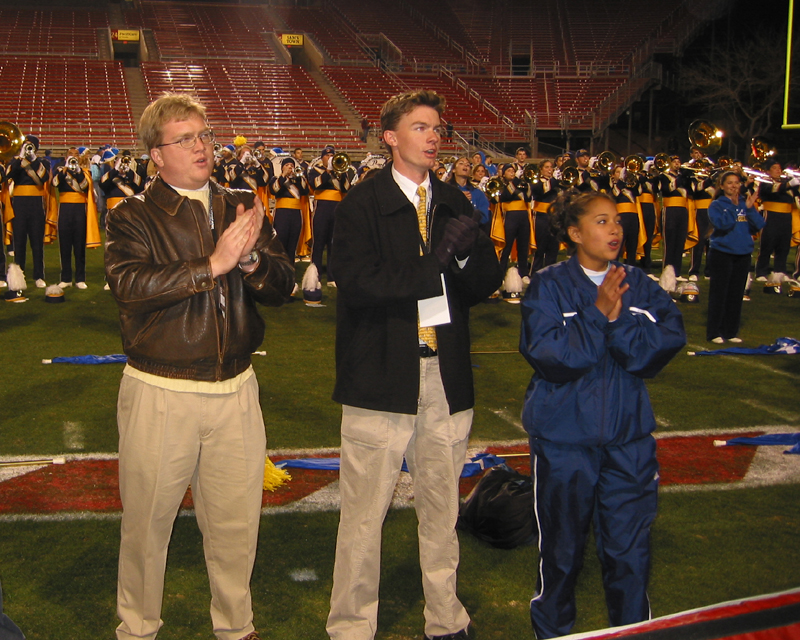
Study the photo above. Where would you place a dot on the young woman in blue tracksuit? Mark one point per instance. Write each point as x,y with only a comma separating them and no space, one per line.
593,330
735,220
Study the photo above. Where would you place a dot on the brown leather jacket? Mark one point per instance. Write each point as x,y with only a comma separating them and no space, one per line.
173,320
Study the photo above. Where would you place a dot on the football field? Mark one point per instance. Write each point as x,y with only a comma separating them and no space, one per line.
727,527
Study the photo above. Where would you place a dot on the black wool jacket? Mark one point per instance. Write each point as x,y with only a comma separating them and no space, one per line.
381,275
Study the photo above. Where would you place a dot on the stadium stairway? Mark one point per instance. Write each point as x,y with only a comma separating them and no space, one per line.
136,92
344,107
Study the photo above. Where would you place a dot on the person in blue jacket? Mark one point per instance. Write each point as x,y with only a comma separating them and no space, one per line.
735,220
593,330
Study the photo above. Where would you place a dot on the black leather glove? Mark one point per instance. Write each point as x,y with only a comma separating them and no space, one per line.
459,236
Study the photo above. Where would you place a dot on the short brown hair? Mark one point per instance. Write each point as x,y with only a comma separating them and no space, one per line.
168,107
398,106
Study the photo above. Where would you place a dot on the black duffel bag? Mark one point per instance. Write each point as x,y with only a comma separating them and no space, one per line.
499,510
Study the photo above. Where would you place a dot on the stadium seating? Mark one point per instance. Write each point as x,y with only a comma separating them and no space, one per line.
68,101
280,104
330,30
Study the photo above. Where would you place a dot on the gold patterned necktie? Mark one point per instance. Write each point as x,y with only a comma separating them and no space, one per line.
426,334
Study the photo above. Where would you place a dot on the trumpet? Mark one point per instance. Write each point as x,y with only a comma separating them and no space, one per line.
494,187
258,154
299,172
29,151
72,164
11,140
125,164
340,163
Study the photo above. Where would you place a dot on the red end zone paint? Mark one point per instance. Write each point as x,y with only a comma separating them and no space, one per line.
92,485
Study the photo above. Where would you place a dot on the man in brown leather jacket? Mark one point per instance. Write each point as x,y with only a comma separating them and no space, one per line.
186,261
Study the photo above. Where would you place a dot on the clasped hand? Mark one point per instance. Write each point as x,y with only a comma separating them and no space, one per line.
609,293
238,240
459,236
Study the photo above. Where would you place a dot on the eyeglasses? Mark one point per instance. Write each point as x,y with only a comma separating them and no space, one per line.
188,142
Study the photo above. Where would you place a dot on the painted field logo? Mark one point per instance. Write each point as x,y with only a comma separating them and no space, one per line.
86,485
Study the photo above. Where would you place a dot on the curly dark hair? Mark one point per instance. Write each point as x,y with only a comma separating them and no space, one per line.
570,206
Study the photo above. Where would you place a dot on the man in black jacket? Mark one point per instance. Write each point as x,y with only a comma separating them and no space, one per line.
409,263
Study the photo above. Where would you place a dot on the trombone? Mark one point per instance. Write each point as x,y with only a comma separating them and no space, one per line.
340,164
605,162
531,174
633,167
569,174
705,136
494,187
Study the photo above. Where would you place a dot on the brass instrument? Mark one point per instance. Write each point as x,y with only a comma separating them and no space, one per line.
705,136
340,163
701,168
125,163
11,140
758,176
761,151
724,162
72,164
569,174
605,162
299,172
29,151
661,162
258,154
494,187
531,174
633,167
448,162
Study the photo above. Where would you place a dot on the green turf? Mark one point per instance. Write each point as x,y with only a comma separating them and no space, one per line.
59,577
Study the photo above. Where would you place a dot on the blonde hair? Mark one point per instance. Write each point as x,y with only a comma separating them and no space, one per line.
168,107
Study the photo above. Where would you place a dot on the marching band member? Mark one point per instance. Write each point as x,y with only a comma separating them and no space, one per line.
329,188
288,188
675,189
703,191
584,182
120,180
222,160
31,178
5,224
647,202
544,193
521,156
626,195
77,217
297,154
245,172
514,202
778,201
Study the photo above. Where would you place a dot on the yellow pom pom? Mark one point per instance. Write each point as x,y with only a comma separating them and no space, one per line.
239,141
274,477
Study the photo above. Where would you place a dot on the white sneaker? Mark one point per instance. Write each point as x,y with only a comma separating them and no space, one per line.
680,279
331,283
736,340
64,285
692,278
526,281
718,340
3,284
40,284
761,279
653,277
81,285
106,287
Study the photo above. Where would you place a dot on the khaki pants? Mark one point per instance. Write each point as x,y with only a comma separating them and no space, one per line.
373,444
168,440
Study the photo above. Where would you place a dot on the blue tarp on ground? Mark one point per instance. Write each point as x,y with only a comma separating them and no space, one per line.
784,439
782,346
112,359
475,467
